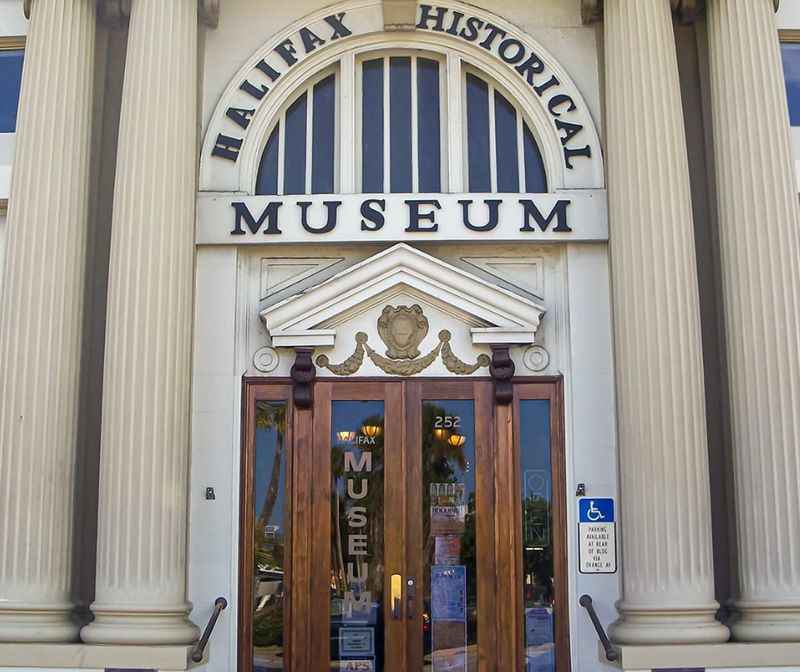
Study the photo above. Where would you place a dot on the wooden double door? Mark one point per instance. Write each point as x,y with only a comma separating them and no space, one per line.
403,526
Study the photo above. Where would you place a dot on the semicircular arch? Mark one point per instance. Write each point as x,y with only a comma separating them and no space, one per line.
550,102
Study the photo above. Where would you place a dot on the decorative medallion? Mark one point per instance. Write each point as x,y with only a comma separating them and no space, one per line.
536,358
402,329
266,359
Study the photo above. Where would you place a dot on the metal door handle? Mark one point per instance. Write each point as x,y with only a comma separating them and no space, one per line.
397,596
411,593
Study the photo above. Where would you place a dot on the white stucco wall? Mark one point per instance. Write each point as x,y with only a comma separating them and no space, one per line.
789,14
12,18
577,331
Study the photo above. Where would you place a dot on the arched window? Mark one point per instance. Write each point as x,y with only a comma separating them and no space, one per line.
401,113
300,154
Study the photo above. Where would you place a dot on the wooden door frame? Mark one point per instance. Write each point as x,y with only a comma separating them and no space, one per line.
501,622
554,393
253,392
390,392
481,393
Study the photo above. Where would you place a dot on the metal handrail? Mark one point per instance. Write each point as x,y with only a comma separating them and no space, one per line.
197,653
612,653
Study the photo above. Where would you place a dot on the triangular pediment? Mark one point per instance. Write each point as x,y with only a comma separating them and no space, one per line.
494,314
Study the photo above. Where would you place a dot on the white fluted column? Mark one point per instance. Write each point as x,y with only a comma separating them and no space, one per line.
41,322
141,555
665,513
759,231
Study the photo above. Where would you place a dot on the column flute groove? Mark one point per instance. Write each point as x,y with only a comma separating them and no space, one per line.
41,322
760,253
141,559
668,588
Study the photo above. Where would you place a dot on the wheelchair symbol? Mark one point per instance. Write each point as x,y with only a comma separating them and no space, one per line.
593,513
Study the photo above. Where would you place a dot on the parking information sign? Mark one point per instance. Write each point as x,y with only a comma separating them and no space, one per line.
597,531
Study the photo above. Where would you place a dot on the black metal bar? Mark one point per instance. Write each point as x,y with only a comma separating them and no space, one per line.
197,653
612,653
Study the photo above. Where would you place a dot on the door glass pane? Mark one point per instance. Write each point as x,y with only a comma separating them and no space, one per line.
450,589
537,520
357,535
269,496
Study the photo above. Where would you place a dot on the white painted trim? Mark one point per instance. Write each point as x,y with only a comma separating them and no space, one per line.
497,314
490,90
587,217
497,335
455,113
304,338
387,125
414,126
348,145
521,152
310,135
281,151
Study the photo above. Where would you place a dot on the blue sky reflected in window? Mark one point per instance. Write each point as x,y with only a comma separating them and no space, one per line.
10,80
791,69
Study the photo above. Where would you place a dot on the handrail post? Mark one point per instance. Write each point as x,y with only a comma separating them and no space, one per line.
197,653
612,652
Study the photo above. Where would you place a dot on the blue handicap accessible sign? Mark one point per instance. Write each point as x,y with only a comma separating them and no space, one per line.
596,510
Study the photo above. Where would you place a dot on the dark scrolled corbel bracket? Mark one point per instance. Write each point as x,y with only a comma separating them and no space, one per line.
502,372
303,374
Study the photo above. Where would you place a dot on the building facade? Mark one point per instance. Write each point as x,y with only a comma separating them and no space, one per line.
429,336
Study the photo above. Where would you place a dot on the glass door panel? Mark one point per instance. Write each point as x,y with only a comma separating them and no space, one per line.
540,519
269,535
449,552
538,570
357,524
449,581
412,526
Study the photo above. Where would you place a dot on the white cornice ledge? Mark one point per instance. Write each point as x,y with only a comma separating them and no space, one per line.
495,315
687,10
116,12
